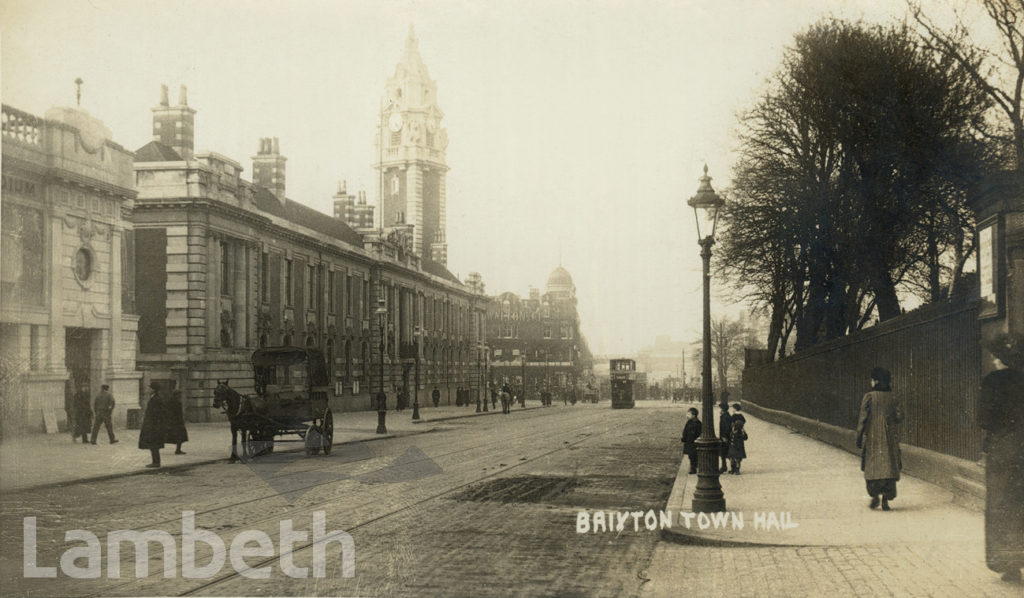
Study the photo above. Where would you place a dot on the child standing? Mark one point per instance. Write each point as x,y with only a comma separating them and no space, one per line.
691,432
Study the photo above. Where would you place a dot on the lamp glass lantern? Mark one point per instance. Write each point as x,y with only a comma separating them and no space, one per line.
706,206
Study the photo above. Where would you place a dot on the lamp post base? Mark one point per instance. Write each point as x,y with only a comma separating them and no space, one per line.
416,409
707,496
381,428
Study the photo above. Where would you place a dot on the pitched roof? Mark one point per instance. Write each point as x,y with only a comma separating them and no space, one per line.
154,151
305,216
432,267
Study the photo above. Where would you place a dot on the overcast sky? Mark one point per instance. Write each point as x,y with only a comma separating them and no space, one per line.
577,129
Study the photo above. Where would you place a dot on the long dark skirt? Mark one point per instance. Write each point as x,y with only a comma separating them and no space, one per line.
885,487
1004,506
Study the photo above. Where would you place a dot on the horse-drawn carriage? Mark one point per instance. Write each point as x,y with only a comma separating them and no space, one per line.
292,389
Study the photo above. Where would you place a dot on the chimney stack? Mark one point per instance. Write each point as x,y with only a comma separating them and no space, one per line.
268,167
175,126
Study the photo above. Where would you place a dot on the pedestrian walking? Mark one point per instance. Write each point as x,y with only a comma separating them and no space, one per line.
724,430
878,437
506,399
737,444
176,432
154,427
103,411
1001,415
435,395
691,432
81,406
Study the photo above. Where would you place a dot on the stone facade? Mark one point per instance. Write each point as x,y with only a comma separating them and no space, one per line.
66,313
226,266
540,338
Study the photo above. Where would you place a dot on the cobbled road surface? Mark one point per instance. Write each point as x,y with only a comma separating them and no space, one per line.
483,506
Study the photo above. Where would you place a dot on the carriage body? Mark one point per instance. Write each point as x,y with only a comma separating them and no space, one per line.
292,390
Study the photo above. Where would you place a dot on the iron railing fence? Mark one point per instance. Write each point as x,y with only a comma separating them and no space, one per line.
934,355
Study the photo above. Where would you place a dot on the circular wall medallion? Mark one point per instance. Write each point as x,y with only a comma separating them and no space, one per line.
82,264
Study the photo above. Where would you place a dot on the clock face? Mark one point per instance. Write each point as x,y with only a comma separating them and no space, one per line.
395,122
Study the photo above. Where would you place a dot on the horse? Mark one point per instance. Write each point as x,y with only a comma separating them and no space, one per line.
239,412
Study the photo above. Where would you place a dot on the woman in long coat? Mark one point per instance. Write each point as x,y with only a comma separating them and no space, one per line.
176,432
1001,415
154,428
878,437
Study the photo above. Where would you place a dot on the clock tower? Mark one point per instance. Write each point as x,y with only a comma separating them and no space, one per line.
411,155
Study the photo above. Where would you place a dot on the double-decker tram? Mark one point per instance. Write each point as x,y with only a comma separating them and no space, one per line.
622,373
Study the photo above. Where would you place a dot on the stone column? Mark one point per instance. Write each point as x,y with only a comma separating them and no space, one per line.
113,355
414,208
239,297
55,360
212,290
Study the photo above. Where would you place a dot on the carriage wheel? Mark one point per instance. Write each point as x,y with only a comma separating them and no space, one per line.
328,429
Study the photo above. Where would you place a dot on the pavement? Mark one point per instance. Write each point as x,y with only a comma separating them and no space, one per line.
797,491
44,460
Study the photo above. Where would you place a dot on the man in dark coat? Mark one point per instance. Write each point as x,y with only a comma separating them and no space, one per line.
153,430
82,408
103,409
1001,415
724,430
175,422
691,432
436,396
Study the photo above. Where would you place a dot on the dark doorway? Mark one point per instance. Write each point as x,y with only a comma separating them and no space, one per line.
78,356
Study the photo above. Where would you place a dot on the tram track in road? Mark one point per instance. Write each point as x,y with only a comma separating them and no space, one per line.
567,445
520,442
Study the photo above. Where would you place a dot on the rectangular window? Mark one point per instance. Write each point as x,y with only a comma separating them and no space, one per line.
330,291
349,295
365,297
265,277
547,331
225,268
311,286
289,290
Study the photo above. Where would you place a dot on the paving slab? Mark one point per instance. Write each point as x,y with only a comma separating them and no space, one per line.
797,491
43,460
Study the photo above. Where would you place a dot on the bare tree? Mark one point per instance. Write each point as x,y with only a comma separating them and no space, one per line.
1000,75
852,181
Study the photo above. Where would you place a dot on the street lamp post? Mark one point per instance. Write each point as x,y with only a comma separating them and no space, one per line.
707,496
418,332
523,391
382,399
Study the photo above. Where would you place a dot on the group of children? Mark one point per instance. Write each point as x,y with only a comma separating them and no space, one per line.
732,438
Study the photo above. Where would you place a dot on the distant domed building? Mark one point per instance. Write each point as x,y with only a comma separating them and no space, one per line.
539,337
560,284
